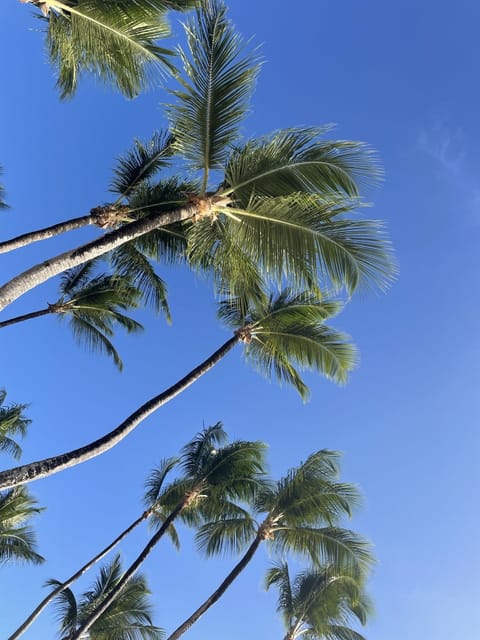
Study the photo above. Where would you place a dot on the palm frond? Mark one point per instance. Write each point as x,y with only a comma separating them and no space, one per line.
215,90
114,40
17,539
226,535
279,576
141,163
12,423
66,610
72,280
201,448
3,204
86,333
129,262
298,160
155,481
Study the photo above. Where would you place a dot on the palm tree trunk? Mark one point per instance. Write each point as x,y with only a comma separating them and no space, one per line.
218,593
47,467
43,271
38,610
44,234
131,570
26,316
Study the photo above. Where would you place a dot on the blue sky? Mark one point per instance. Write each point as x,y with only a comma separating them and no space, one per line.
401,76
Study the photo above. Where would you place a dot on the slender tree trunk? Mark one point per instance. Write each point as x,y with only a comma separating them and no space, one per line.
26,316
38,610
43,271
218,593
132,569
47,467
44,234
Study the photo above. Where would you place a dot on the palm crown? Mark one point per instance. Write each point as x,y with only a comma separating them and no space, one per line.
128,618
320,603
17,538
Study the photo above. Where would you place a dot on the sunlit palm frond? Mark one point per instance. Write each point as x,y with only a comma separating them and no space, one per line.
129,262
17,538
200,449
154,483
114,40
141,163
298,160
12,423
226,535
308,238
216,86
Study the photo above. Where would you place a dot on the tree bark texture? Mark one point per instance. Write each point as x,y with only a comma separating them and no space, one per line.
45,234
47,467
43,271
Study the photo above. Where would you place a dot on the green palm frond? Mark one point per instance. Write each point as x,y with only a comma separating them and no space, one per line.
298,160
73,280
141,163
308,237
279,576
196,453
87,334
215,89
129,262
12,423
112,39
226,535
288,334
17,539
155,482
344,548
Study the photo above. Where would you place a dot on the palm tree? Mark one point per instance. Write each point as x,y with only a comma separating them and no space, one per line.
12,422
94,306
112,39
281,336
214,474
128,618
319,603
17,539
154,508
300,514
284,201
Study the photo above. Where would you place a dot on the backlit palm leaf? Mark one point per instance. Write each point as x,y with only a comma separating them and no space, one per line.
12,423
17,539
112,39
215,90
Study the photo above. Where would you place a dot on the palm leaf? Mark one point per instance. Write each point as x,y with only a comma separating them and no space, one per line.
298,160
226,535
112,39
86,333
12,423
141,163
66,611
215,91
17,539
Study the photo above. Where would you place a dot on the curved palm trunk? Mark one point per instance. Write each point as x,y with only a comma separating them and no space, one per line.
45,234
218,593
43,271
26,316
43,604
47,467
132,569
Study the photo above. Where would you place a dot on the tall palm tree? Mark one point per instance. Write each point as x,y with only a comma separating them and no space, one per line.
155,507
300,514
94,306
12,423
319,603
128,618
112,39
214,474
281,336
17,538
286,201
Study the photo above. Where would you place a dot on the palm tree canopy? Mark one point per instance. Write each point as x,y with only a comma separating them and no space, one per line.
129,617
17,539
215,474
115,40
95,306
301,513
319,603
12,423
286,333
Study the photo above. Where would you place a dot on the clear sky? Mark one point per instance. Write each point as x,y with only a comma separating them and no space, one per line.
399,75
